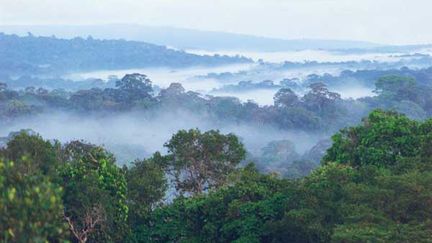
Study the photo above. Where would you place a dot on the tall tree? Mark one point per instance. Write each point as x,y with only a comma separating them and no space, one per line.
147,186
382,139
134,87
95,194
201,161
285,98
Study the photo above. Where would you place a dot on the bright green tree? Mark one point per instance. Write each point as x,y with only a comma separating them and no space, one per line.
94,194
382,139
30,206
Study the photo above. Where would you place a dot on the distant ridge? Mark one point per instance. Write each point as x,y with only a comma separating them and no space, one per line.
185,38
34,55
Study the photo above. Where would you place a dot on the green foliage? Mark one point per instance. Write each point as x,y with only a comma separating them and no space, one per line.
201,161
147,185
373,186
393,208
30,206
95,188
234,213
396,87
32,147
382,139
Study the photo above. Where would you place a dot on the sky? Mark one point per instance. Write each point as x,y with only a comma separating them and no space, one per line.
380,21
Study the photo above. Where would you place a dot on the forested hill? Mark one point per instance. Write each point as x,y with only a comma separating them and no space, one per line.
38,55
187,38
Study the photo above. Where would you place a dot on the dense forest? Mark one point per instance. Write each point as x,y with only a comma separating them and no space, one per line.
319,108
319,111
178,164
33,55
373,185
369,184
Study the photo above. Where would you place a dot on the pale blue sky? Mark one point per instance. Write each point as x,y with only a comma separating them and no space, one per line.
384,21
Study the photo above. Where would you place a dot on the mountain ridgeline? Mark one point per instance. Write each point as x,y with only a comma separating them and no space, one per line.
32,55
187,38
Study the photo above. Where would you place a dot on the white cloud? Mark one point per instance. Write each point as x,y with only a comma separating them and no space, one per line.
387,21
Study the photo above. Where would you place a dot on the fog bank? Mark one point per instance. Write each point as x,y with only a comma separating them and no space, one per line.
138,135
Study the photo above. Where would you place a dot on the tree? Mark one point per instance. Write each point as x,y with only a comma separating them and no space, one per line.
135,86
285,98
146,188
132,90
30,206
175,96
135,82
17,108
93,99
396,87
28,146
321,100
175,89
225,107
386,208
95,194
376,189
326,106
382,139
320,90
92,218
238,212
201,161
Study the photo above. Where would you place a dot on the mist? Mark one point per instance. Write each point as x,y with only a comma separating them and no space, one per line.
131,135
306,55
137,135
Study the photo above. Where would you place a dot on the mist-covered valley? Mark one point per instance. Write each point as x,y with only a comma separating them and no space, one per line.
134,135
298,98
244,121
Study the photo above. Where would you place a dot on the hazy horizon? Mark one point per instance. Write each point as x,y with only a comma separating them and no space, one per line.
193,29
384,21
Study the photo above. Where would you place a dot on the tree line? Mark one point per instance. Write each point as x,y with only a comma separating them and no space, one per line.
319,109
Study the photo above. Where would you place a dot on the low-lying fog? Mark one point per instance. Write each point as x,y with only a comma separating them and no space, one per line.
260,96
211,80
310,55
138,135
163,77
195,79
354,91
